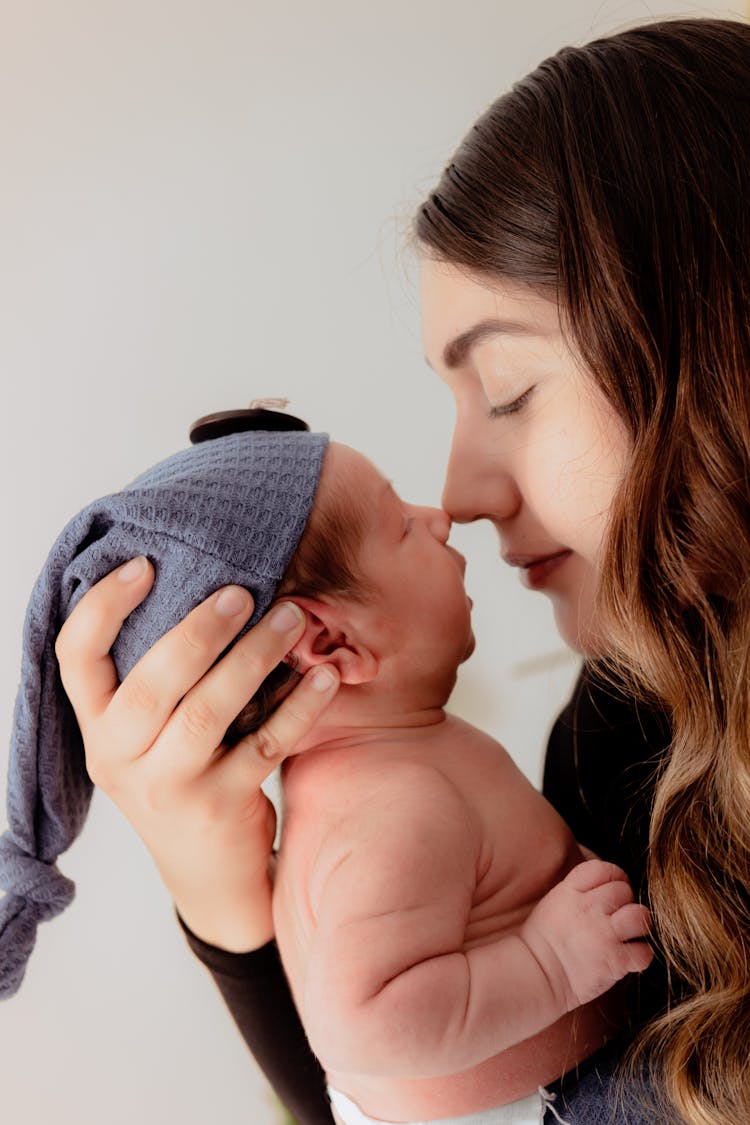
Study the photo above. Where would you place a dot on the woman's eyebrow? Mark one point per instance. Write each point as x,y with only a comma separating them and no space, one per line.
456,351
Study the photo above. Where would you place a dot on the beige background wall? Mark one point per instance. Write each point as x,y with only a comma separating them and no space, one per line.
202,203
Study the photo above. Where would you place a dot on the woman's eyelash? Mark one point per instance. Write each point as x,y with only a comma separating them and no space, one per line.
511,407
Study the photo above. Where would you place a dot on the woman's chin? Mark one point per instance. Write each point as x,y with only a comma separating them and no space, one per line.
577,627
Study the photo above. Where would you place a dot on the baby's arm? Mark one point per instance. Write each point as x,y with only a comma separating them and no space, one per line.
583,933
388,989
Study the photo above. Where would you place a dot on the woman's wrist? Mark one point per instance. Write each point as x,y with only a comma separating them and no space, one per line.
234,935
241,926
224,941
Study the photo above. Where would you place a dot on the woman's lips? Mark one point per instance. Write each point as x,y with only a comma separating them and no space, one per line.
535,572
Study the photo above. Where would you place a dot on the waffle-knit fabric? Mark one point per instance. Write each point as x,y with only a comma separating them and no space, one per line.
231,510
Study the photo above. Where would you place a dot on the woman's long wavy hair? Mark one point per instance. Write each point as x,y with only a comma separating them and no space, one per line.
616,179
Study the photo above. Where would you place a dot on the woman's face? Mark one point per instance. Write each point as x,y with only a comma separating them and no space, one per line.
537,449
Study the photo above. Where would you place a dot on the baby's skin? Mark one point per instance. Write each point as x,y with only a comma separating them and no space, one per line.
447,944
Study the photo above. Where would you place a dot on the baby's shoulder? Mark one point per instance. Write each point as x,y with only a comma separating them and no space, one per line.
459,733
403,816
406,785
402,798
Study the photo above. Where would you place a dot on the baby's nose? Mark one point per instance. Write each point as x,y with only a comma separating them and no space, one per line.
440,524
436,520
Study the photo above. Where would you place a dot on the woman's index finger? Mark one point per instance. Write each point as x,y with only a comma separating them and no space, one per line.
85,641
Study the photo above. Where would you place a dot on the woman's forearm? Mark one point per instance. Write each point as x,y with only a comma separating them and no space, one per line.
255,990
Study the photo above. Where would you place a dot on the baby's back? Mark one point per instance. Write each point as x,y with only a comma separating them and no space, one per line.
517,848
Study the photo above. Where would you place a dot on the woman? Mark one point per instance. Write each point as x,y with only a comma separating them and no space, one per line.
585,284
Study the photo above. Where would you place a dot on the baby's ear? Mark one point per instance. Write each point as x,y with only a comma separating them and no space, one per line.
330,638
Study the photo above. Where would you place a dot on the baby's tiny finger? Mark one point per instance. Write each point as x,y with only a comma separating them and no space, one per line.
610,897
637,955
593,873
631,921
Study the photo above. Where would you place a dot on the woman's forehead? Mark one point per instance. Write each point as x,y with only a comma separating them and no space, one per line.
460,308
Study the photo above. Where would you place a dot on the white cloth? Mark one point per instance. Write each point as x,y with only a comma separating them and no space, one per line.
525,1111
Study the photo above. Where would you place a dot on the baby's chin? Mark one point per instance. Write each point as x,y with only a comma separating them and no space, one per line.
471,644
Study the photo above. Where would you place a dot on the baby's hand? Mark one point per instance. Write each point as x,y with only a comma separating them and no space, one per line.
582,933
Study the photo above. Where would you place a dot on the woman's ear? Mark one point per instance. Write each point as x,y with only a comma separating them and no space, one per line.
330,638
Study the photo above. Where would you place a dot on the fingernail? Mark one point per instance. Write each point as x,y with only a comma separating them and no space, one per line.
132,570
286,617
231,601
322,679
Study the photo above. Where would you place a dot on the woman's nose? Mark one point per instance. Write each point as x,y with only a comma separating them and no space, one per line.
478,483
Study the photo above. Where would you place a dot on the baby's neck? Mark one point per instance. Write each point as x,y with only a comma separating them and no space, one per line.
353,721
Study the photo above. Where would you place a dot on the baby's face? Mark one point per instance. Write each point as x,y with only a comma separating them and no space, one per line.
420,615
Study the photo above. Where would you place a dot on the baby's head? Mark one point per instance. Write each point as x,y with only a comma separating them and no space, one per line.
287,515
382,592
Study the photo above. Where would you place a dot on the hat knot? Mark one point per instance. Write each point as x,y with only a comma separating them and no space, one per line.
36,892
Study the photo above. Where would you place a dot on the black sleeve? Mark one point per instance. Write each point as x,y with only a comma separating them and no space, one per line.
255,990
602,759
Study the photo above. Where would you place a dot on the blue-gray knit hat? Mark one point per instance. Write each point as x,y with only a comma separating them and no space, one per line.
230,510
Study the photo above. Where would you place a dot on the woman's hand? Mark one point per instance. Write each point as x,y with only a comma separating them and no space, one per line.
153,744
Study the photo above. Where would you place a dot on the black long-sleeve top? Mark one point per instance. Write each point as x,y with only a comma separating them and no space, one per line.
599,775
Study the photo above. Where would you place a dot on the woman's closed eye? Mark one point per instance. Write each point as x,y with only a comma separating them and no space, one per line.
510,407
